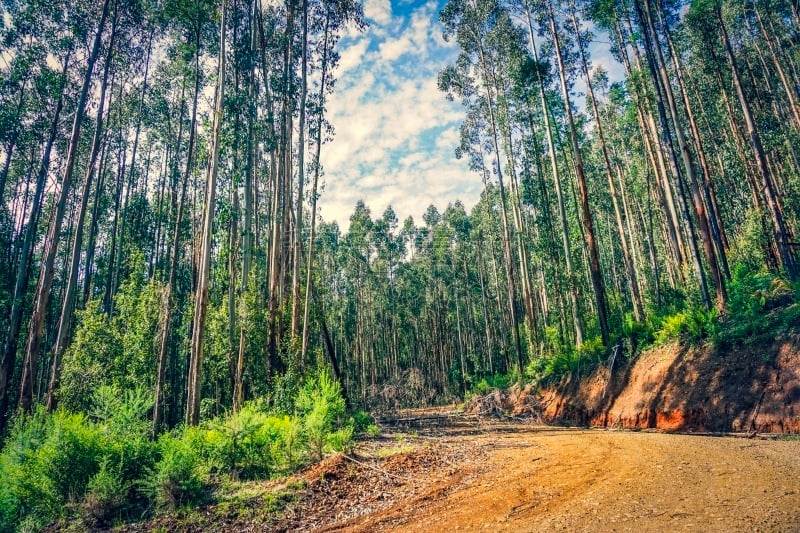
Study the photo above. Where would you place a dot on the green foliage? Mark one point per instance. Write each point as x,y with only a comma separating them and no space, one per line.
636,333
554,366
47,464
251,444
106,492
104,463
176,479
56,464
489,383
363,423
322,408
691,326
760,304
119,351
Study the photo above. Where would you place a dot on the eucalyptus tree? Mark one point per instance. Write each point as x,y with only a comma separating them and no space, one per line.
59,84
631,274
68,306
479,27
42,296
598,286
707,17
330,23
195,382
191,20
539,68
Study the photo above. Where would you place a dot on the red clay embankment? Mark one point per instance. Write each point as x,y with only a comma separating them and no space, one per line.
674,388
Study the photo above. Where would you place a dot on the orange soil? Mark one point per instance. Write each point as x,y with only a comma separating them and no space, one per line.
699,389
564,480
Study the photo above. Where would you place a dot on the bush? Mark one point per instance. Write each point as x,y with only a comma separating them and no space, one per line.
176,479
489,383
104,464
364,424
46,466
690,326
760,304
252,443
322,408
107,492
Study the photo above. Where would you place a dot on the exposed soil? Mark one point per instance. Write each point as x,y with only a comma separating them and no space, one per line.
447,472
444,470
739,389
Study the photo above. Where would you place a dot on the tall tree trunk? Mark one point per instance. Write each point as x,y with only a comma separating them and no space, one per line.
323,86
166,313
201,296
42,297
691,175
779,230
68,306
301,172
594,259
247,232
9,354
508,257
577,319
636,299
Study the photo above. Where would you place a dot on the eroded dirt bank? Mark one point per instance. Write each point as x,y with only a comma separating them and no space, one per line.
675,388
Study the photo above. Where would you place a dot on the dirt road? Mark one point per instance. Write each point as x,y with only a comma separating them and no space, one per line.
446,473
537,479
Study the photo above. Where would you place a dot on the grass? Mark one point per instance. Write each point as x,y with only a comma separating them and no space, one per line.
383,453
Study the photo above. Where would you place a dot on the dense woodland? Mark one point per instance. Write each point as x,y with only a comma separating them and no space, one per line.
161,172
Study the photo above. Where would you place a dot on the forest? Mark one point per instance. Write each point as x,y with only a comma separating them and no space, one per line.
173,309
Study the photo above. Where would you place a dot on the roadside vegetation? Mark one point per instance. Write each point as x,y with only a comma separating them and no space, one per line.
101,466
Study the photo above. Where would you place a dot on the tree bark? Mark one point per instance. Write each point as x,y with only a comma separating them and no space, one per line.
779,230
201,295
42,297
594,259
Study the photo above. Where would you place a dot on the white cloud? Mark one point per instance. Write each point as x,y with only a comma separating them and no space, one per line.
379,11
352,56
391,50
395,131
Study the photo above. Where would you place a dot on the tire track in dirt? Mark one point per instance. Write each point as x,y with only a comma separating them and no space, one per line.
586,480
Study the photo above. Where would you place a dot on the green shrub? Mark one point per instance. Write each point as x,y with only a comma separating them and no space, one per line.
690,326
176,479
760,305
46,466
107,492
364,424
496,381
637,333
321,406
243,443
104,464
54,465
341,440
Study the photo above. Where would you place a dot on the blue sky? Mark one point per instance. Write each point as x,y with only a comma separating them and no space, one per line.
395,131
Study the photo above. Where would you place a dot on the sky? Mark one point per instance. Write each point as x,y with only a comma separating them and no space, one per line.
395,132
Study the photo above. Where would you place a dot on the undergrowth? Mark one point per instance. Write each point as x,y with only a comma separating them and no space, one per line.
760,306
102,467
